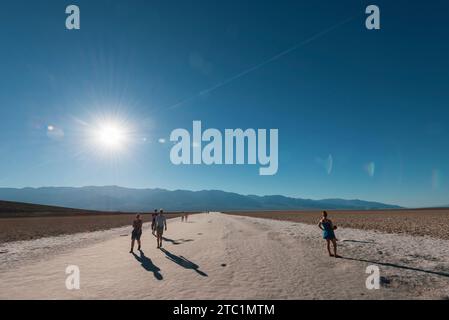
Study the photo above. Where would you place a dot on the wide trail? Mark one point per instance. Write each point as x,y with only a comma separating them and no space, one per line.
218,256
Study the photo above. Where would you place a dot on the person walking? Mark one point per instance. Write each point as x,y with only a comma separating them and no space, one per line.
136,233
161,225
153,222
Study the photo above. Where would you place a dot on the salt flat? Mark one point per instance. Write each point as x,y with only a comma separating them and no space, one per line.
217,256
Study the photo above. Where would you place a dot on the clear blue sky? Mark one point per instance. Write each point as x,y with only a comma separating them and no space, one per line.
374,102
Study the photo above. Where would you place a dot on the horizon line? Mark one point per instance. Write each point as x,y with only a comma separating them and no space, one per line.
220,190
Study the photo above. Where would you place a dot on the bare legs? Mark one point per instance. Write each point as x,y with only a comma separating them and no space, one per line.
159,240
132,245
334,244
329,247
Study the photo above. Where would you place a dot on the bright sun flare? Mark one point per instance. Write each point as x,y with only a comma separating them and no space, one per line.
111,136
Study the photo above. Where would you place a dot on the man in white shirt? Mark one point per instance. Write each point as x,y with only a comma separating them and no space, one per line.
161,224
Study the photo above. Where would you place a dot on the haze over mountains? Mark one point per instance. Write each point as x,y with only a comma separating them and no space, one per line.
113,198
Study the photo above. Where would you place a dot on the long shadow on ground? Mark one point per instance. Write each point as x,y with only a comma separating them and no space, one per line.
148,265
176,242
386,264
183,262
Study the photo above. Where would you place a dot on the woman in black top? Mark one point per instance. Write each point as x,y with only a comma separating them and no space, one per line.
137,232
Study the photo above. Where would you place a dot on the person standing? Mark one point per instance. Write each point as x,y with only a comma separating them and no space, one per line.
153,222
328,228
161,225
136,233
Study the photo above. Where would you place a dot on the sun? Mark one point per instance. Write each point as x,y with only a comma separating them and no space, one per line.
111,136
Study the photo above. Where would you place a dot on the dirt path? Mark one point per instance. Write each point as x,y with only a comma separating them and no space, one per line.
217,256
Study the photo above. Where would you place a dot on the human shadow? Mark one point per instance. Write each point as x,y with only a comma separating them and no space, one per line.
394,265
357,241
176,242
148,265
183,262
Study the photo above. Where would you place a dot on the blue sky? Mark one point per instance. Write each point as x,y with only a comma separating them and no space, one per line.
375,102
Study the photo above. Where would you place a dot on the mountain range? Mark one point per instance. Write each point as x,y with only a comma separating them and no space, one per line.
114,198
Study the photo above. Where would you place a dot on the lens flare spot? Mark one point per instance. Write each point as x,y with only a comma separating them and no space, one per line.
370,168
55,133
435,179
327,163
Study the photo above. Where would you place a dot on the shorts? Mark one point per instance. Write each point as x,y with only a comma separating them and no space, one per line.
160,231
135,235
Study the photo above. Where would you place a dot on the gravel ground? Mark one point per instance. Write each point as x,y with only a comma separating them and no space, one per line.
421,222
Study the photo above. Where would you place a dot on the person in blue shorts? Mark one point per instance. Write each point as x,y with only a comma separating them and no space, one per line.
328,228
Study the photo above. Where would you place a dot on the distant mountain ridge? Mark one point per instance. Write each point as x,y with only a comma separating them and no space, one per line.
114,198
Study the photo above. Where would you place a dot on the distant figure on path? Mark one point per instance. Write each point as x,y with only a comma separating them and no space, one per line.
328,234
137,232
153,222
161,224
